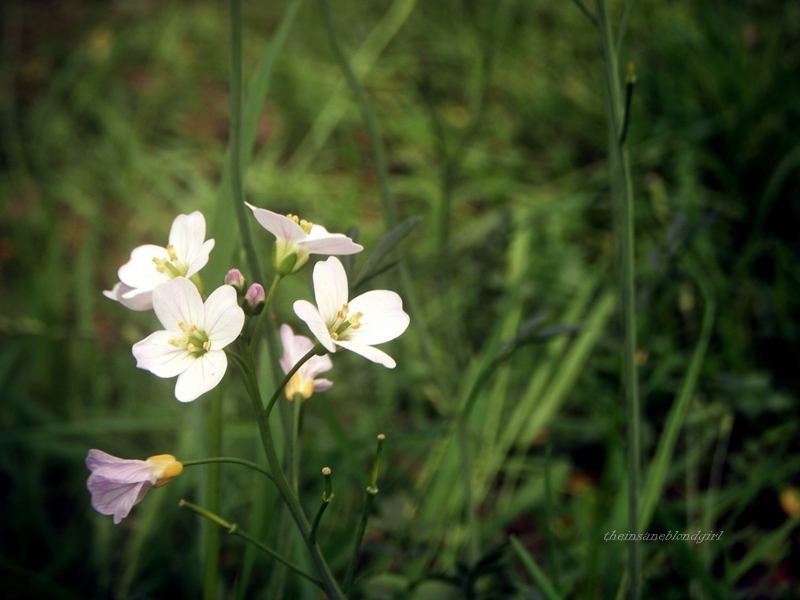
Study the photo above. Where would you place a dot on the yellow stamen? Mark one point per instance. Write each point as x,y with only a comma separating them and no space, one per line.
161,268
183,326
193,327
175,342
171,251
334,336
191,348
356,317
355,325
343,311
206,346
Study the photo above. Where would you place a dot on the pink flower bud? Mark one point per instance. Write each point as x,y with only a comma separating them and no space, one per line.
255,299
236,279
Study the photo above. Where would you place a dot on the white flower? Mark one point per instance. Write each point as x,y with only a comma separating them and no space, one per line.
117,484
296,239
372,318
151,265
191,346
303,382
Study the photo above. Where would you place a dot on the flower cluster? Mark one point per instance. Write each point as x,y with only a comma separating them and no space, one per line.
192,344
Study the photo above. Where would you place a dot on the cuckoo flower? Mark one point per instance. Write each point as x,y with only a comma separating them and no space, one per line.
118,484
372,318
296,239
191,344
151,265
304,381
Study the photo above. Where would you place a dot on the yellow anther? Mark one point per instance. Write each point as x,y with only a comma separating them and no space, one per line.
191,348
306,226
206,345
295,218
334,336
355,325
183,326
161,268
171,251
193,327
175,342
356,317
343,311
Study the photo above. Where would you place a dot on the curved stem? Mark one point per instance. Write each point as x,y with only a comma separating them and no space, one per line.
267,302
228,459
233,529
308,356
237,186
284,489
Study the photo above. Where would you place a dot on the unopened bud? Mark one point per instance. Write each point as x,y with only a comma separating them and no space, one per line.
255,299
236,279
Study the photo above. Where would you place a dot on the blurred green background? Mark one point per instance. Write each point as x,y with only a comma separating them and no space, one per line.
115,120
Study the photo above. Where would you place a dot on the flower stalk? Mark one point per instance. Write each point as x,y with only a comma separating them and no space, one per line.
327,496
267,303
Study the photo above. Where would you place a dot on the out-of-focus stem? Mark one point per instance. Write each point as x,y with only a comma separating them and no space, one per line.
267,303
227,459
622,191
237,185
211,536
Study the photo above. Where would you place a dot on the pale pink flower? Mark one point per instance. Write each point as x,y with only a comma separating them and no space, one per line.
191,344
356,325
118,484
300,238
150,265
304,381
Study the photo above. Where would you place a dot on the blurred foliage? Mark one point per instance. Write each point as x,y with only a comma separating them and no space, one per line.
114,120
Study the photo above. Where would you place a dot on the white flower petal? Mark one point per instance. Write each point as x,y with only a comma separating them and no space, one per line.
382,318
281,227
201,258
140,271
186,236
162,359
368,352
330,288
309,313
322,385
135,301
321,242
203,374
178,302
224,318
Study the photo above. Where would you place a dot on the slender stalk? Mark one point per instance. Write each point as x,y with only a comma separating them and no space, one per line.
237,185
211,535
227,459
294,449
267,303
622,190
588,13
327,496
284,489
372,491
465,455
233,529
282,386
381,166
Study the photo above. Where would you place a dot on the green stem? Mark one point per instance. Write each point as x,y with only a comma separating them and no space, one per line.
359,539
233,529
227,459
381,166
294,450
211,537
237,185
267,303
284,489
279,390
548,508
465,455
327,496
622,190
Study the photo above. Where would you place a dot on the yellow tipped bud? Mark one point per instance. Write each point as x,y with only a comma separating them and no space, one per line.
165,467
326,471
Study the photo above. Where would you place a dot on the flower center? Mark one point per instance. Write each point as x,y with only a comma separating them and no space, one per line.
195,341
304,225
171,268
342,323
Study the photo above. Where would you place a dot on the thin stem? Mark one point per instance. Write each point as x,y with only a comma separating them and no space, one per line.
285,491
465,455
237,186
359,539
233,529
624,230
381,166
585,10
294,449
310,354
327,496
267,303
211,536
227,459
